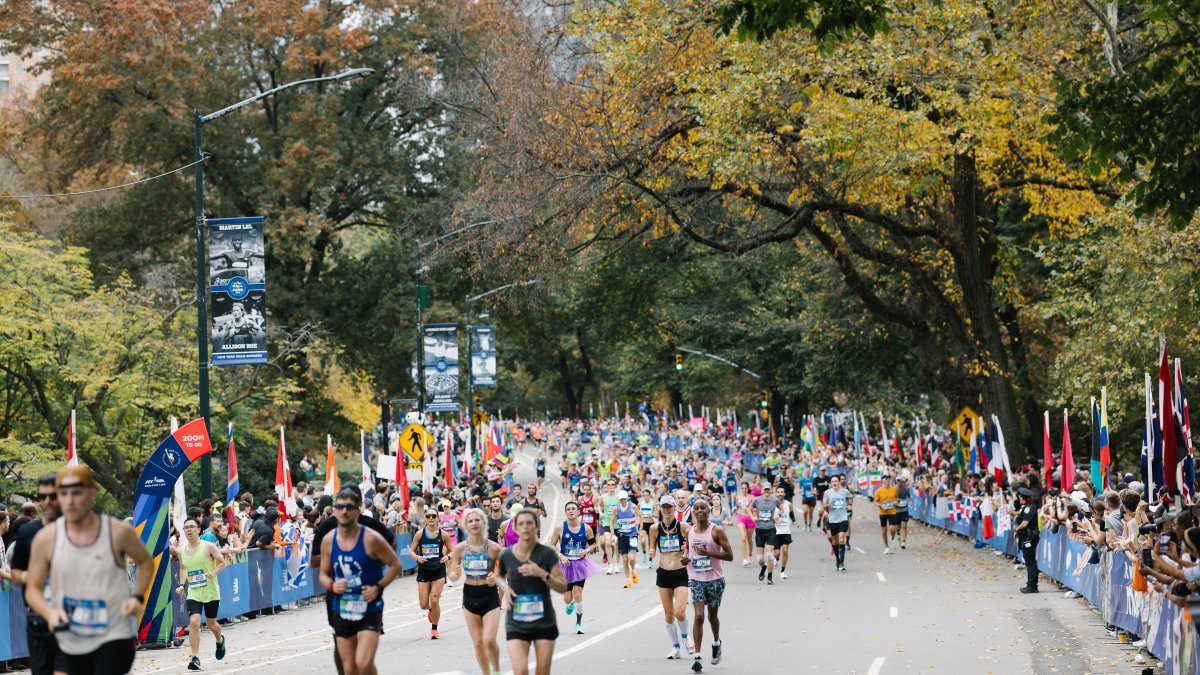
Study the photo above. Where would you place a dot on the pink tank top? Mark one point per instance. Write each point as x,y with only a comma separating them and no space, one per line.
703,568
510,537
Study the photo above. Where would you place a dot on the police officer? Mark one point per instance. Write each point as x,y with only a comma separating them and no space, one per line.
1028,535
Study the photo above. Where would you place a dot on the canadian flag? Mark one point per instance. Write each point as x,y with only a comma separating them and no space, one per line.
283,482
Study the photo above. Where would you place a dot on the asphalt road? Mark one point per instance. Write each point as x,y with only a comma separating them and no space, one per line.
939,606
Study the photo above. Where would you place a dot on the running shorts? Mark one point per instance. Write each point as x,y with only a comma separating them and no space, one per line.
782,539
209,608
541,473
110,658
646,528
672,579
707,592
627,544
576,584
835,528
371,621
479,599
764,538
425,576
886,519
901,517
809,501
530,635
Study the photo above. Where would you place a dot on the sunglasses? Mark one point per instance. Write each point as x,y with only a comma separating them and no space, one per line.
344,507
431,515
43,496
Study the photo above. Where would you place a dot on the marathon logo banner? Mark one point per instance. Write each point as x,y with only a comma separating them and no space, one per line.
483,356
237,285
152,521
441,367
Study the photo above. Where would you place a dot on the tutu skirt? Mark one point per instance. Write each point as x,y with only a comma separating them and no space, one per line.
577,570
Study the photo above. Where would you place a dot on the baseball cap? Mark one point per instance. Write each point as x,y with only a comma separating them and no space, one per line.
666,500
83,473
1024,492
621,494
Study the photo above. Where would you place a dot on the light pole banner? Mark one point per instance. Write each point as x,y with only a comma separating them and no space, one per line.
237,286
483,356
441,367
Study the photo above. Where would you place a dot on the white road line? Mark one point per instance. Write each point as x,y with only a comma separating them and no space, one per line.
894,612
657,611
880,575
876,665
860,550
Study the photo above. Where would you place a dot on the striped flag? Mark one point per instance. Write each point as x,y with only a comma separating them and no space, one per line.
1094,465
283,482
449,438
1105,448
1067,475
332,482
232,487
72,458
1186,472
1166,420
367,486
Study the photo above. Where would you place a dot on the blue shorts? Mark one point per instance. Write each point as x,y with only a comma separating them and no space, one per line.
707,592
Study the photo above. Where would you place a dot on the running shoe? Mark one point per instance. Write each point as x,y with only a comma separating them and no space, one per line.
697,665
902,544
745,562
627,583
762,574
635,579
717,654
570,608
221,649
194,664
887,551
783,575
433,635
672,655
770,581
578,631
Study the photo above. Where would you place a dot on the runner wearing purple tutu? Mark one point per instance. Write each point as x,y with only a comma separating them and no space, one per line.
574,541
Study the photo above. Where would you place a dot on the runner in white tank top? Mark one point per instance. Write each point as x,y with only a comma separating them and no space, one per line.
83,553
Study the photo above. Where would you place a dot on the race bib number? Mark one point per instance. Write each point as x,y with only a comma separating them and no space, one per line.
627,524
647,510
668,543
902,503
888,504
766,515
528,607
633,542
838,502
86,617
352,606
475,564
574,553
431,550
702,564
589,519
196,579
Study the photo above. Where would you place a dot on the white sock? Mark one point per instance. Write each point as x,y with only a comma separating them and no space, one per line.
578,611
673,634
682,624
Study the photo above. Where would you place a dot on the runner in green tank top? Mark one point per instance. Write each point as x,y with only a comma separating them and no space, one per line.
199,563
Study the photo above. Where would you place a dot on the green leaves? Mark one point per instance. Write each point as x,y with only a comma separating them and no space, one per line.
827,20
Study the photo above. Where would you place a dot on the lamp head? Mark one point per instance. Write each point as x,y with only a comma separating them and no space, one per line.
353,73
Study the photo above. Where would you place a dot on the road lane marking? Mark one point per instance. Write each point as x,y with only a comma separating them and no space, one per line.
657,611
876,665
860,550
880,575
894,612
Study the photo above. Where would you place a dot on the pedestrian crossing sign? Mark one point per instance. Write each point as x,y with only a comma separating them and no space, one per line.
962,424
415,441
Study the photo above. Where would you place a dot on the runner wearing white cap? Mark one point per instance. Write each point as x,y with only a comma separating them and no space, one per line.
625,523
667,539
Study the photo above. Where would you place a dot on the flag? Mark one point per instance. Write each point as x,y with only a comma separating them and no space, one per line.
1068,461
367,486
232,487
973,463
1047,453
1185,471
427,470
959,460
982,444
72,458
1094,464
468,464
986,514
332,483
449,437
999,464
283,482
1166,421
1105,448
896,438
1151,463
179,501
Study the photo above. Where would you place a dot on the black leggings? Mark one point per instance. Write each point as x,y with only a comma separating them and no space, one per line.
111,658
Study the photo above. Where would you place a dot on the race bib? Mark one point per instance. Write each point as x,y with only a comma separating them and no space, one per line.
196,579
528,607
647,510
766,515
838,502
589,519
86,617
475,564
574,553
431,550
633,542
902,503
668,543
702,564
627,524
888,504
352,606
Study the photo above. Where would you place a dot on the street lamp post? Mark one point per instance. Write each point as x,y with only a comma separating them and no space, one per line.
200,120
470,343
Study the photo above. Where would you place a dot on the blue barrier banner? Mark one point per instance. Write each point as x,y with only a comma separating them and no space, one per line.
7,596
404,550
235,583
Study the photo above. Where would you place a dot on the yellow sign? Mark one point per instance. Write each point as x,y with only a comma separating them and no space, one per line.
480,417
962,424
415,442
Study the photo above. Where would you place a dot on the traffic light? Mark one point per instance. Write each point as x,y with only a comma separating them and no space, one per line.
678,361
766,399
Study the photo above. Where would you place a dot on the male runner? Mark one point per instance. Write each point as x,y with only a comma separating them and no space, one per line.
836,506
707,547
808,498
667,538
352,562
885,499
783,530
532,501
766,511
821,483
495,518
199,563
44,655
83,555
626,525
902,510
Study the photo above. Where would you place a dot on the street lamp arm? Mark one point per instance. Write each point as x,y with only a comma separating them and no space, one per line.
718,358
356,72
431,242
505,287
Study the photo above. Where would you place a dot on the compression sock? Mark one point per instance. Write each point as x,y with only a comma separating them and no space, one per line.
672,634
681,626
435,626
579,612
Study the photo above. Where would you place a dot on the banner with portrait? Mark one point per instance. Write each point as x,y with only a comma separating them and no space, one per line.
441,367
237,287
483,356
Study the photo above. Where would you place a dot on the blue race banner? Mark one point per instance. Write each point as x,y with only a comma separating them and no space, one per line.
441,366
152,522
483,356
237,287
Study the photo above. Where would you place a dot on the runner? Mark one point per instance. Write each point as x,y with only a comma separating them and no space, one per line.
902,510
476,557
495,518
745,522
199,563
540,464
574,540
783,531
532,501
885,499
666,538
626,522
808,498
707,547
766,512
836,510
608,538
821,483
530,571
431,551
83,556
352,562
645,503
44,655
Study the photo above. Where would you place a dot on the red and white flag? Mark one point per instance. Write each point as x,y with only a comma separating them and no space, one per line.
72,458
283,482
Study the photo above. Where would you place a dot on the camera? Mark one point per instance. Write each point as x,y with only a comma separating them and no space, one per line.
1155,526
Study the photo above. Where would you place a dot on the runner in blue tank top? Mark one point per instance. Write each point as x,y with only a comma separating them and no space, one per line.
574,540
352,562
